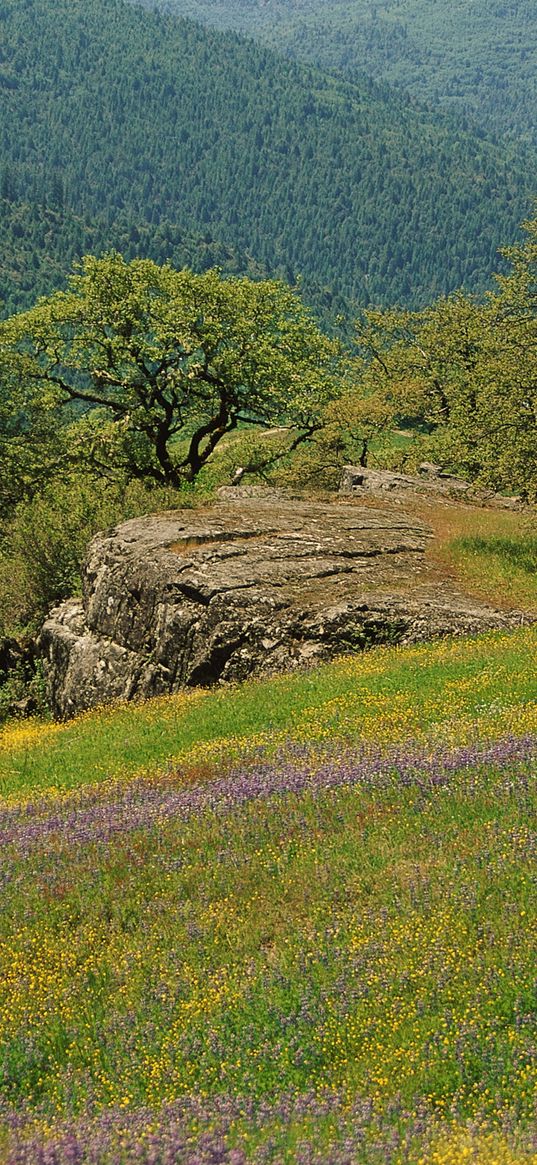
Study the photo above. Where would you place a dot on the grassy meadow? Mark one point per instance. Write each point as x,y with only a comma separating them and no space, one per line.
492,554
291,921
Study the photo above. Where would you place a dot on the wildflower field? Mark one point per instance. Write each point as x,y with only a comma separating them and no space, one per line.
293,921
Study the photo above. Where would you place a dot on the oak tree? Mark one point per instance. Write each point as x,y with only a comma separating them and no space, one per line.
158,366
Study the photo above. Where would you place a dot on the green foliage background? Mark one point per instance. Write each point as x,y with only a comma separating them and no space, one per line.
41,243
124,127
476,57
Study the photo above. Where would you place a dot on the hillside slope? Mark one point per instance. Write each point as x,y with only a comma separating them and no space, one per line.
289,922
39,245
113,113
476,56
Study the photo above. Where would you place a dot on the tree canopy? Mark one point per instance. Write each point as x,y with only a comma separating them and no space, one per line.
464,373
475,56
157,365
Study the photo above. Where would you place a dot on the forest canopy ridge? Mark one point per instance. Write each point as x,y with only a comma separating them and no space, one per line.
153,128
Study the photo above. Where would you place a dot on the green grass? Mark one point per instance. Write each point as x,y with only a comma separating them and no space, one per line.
491,553
365,943
387,694
507,562
369,945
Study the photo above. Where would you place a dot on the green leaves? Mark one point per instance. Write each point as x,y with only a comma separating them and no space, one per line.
466,373
165,354
31,444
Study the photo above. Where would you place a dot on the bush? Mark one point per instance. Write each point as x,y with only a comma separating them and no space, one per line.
22,691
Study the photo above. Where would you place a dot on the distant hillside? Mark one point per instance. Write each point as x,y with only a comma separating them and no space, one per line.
477,56
39,247
116,116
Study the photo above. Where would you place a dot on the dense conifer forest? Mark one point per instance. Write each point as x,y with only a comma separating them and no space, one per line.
478,57
40,243
138,130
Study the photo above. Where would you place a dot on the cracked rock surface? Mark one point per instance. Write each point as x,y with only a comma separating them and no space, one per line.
247,586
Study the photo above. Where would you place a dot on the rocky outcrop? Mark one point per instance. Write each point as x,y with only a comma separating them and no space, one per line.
250,586
431,481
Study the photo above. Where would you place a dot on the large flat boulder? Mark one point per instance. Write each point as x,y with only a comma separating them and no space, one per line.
247,586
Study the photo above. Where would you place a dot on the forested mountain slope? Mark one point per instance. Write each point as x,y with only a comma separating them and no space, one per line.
478,56
40,244
115,115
